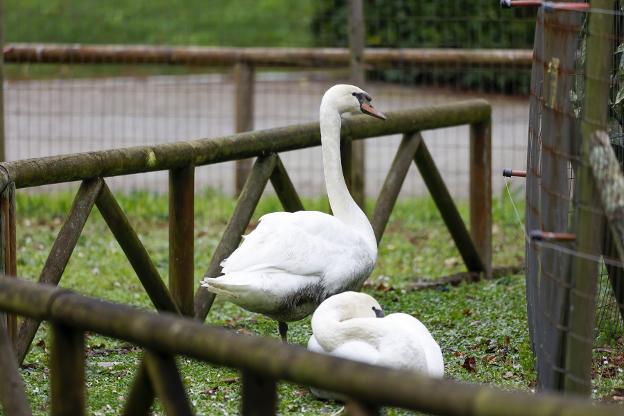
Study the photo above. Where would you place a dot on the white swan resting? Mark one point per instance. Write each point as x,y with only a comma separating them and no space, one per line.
293,261
351,325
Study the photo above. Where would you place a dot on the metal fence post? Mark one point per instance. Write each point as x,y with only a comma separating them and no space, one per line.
244,102
356,47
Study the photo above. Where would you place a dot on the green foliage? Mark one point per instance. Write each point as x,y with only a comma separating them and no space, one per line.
436,24
186,22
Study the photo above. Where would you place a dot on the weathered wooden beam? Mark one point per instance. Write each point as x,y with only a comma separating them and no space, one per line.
167,384
182,237
577,365
60,253
8,247
12,395
258,394
141,395
67,371
56,169
284,187
609,182
244,111
245,207
284,57
481,191
448,210
394,181
372,384
135,251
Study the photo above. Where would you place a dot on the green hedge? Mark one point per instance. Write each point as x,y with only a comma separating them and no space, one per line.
435,24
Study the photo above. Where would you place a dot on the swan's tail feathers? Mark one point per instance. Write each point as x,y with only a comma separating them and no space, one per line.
220,286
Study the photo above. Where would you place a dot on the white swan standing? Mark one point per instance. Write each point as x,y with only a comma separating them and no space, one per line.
352,325
293,261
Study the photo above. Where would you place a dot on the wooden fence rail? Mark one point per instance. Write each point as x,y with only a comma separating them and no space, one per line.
244,62
262,361
180,159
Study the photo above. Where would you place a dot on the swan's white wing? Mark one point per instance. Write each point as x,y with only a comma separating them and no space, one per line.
415,337
305,243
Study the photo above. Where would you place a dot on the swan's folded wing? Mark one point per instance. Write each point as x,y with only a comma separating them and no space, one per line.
305,243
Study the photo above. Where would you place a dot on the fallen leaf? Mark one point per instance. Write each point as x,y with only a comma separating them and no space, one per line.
451,261
467,312
470,364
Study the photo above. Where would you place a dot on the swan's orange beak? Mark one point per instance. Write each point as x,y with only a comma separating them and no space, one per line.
371,111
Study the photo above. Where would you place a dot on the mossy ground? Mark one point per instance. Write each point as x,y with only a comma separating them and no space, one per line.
481,327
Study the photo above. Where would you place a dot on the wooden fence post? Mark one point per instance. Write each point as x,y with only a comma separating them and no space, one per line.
259,395
356,47
67,371
577,363
244,102
2,135
8,264
181,237
481,192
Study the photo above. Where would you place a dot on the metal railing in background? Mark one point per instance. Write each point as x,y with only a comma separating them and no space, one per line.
245,63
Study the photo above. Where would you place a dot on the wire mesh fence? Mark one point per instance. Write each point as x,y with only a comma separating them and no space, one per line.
81,105
574,269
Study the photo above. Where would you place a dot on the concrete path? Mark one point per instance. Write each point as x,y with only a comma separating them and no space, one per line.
65,116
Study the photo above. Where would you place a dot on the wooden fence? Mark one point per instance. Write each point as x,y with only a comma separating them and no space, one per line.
244,62
180,159
262,362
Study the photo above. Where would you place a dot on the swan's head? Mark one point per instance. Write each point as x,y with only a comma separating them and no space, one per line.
349,305
350,99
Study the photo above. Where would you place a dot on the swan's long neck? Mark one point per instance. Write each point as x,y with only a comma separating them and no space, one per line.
342,204
333,327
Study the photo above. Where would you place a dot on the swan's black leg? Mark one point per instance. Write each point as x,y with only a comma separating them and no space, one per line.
283,330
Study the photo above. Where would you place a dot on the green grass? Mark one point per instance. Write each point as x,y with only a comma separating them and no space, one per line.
484,323
241,23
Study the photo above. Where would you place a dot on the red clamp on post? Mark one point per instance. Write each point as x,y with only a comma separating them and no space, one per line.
512,172
539,235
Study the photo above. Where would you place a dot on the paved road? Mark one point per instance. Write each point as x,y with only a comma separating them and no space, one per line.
64,116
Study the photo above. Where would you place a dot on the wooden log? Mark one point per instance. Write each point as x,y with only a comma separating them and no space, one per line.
135,251
245,207
448,210
258,394
609,182
394,181
577,365
481,191
12,395
60,253
284,188
79,166
67,371
386,387
141,395
244,111
167,384
283,57
181,237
